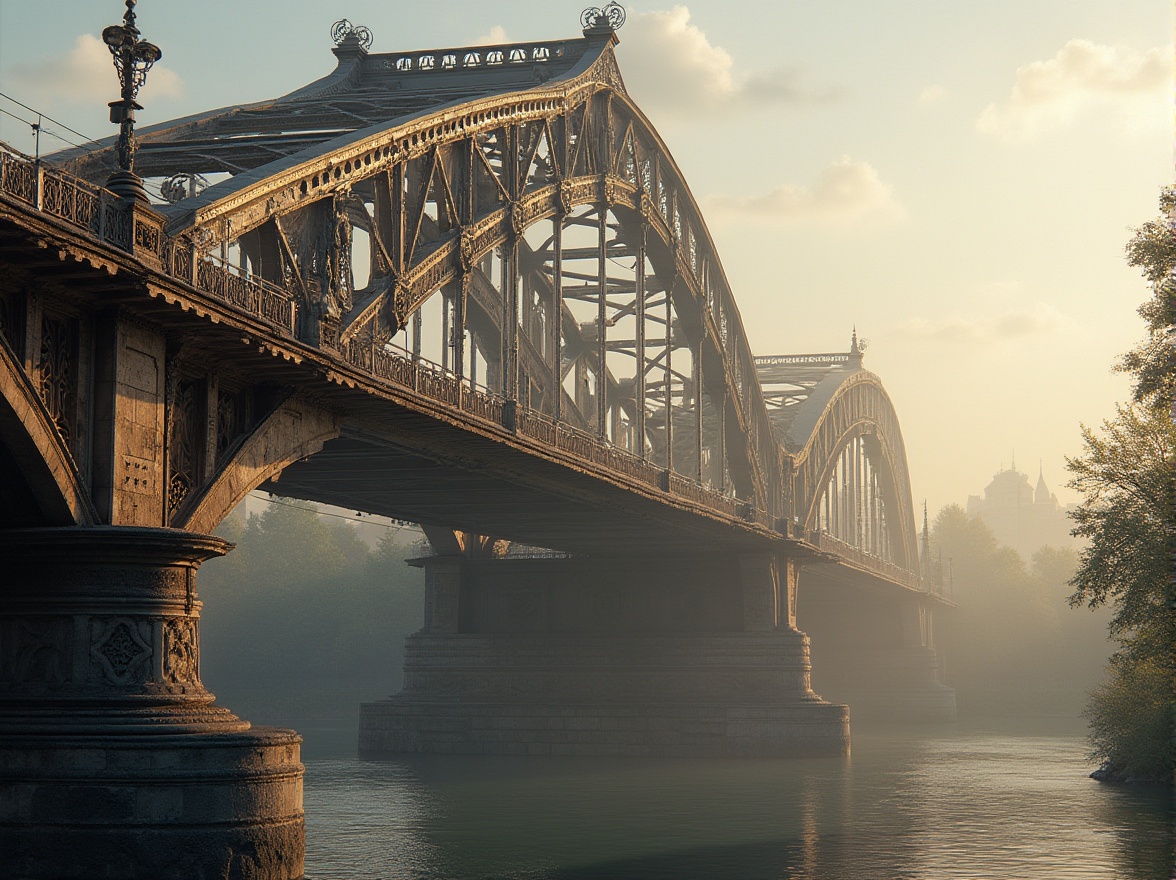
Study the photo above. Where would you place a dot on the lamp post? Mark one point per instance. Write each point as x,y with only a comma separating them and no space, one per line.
133,57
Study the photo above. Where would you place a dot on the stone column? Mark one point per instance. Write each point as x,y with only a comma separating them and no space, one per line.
761,588
114,761
442,594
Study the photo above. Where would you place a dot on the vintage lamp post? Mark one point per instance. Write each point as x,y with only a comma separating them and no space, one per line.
133,57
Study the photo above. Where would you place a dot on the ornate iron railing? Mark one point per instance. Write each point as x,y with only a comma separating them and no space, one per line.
140,232
426,61
874,564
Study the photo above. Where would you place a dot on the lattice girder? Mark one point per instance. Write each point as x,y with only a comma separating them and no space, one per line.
437,200
859,415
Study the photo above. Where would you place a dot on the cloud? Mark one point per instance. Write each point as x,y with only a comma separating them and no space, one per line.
1040,319
86,73
1080,77
932,95
495,36
670,65
845,192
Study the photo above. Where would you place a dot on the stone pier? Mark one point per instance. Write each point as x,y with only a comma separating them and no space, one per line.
593,656
878,653
114,760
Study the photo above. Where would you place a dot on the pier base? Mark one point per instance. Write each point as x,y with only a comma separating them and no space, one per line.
878,653
114,761
593,657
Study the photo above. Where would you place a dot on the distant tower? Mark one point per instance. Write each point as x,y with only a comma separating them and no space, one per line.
1041,495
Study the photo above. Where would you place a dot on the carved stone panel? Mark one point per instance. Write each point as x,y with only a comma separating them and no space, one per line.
121,650
35,651
181,651
57,371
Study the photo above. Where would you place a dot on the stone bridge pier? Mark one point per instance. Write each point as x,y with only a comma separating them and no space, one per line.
114,761
879,653
607,656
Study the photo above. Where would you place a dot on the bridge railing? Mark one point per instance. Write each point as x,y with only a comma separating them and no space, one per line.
868,561
399,366
104,216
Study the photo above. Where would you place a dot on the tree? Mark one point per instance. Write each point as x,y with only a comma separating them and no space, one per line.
1152,249
1013,643
1127,476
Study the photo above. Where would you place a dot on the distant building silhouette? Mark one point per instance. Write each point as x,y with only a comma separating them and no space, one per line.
1021,516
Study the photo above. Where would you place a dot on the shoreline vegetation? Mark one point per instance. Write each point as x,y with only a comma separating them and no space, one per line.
1126,474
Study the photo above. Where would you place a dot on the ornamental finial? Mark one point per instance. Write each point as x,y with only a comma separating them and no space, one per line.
601,19
344,31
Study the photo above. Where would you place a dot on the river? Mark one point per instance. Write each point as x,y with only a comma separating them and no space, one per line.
996,799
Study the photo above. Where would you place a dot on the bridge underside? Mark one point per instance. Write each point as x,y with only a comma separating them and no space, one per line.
488,489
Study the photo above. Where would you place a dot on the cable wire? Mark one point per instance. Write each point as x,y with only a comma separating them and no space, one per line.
396,528
85,138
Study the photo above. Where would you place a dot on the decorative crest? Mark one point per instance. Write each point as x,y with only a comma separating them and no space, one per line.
343,30
610,17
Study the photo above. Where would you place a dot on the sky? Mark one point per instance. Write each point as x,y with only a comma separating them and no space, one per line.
957,180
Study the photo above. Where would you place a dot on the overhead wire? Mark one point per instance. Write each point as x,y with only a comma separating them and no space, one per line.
396,527
85,138
39,127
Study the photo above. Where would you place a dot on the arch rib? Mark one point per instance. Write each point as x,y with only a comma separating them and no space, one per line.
44,460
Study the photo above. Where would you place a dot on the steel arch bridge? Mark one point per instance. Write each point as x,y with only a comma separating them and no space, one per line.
503,224
465,287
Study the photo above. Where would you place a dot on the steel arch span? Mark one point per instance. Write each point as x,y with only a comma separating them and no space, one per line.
537,242
505,224
849,482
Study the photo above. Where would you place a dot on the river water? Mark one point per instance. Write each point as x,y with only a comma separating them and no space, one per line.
985,800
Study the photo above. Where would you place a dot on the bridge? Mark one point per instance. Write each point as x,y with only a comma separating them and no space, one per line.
466,287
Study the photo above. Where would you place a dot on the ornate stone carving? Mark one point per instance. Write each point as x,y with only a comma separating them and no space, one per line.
466,249
518,219
36,651
181,651
611,191
120,650
230,419
57,372
184,452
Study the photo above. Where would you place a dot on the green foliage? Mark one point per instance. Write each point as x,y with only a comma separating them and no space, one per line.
1014,646
1131,721
1152,249
303,620
1127,475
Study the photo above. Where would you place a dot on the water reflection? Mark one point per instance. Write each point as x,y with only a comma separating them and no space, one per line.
946,804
